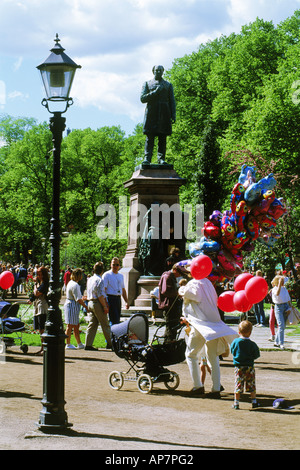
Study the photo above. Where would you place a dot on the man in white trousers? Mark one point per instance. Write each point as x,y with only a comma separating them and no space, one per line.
207,331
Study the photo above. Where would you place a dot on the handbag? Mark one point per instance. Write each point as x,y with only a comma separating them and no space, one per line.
294,316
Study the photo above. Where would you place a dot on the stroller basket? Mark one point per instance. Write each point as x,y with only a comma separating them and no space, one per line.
170,353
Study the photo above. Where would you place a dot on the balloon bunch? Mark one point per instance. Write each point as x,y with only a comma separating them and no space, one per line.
7,279
254,211
248,290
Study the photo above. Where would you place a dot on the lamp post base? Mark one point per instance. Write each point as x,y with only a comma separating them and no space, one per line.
53,416
55,429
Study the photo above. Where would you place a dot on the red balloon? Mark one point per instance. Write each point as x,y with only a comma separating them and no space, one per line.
241,281
225,301
6,280
201,267
256,289
241,302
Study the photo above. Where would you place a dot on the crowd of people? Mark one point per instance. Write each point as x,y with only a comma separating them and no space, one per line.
97,295
182,299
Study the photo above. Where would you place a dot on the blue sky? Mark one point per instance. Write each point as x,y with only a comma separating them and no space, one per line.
116,42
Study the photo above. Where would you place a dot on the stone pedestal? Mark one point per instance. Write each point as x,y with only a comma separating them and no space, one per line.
145,285
149,184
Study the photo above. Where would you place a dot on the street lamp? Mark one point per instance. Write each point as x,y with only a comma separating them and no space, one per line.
43,240
57,74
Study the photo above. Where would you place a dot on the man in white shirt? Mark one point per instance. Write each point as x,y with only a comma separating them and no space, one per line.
98,308
114,289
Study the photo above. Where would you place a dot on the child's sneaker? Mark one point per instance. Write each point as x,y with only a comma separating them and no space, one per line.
80,346
236,407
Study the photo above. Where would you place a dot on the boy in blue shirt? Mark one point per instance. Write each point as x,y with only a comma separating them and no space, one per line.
244,352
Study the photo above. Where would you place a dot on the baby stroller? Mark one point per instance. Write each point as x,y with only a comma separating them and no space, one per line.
9,324
146,361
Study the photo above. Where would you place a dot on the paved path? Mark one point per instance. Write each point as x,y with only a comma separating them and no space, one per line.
126,420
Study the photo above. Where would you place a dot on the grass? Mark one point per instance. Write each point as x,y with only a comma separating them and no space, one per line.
32,337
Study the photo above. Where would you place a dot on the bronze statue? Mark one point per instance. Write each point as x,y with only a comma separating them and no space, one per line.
160,113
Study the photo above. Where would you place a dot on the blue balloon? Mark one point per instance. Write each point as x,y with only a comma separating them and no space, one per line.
255,190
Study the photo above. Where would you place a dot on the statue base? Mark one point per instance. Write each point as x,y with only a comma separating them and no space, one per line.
149,183
154,166
145,285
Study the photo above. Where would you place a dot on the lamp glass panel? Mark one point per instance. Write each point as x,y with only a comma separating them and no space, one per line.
57,82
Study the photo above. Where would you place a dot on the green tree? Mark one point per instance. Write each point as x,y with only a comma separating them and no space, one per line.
84,249
25,197
90,164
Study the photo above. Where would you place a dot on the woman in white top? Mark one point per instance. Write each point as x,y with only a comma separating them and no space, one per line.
282,301
201,313
72,308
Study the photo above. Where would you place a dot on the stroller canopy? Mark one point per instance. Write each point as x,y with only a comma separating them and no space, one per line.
7,309
137,324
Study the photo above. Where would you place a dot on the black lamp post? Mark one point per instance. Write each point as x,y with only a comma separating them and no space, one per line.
57,75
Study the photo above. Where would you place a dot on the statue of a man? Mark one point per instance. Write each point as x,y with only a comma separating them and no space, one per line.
160,113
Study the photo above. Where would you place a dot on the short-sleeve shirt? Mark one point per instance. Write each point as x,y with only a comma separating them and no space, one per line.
283,296
73,291
95,287
113,283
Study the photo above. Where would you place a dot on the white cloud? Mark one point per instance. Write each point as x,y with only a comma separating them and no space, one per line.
114,81
2,94
18,64
246,11
117,42
17,95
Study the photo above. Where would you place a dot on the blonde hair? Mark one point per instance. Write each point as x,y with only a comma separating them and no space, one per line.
245,328
258,273
276,281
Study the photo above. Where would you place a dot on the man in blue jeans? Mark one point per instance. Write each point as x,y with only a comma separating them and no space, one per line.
260,313
114,289
259,308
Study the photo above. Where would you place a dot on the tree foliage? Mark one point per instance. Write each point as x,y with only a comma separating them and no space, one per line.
245,88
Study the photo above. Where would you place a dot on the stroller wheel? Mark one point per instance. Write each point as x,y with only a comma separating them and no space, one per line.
145,383
116,380
24,348
173,381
